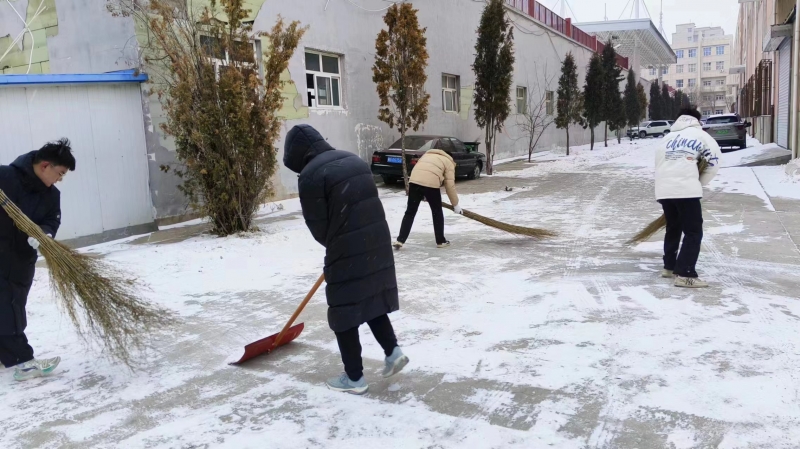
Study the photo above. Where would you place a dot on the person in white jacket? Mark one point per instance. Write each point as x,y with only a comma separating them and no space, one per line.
679,188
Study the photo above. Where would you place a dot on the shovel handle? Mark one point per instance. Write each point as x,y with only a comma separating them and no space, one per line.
300,309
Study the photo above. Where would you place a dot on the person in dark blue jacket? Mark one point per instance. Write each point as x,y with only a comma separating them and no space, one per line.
342,210
29,182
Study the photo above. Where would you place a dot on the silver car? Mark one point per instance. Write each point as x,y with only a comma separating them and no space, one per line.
728,130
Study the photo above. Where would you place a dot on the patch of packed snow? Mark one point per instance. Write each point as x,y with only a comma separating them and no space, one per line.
777,183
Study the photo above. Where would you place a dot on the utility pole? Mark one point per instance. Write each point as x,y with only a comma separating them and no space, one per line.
661,20
563,8
605,16
636,8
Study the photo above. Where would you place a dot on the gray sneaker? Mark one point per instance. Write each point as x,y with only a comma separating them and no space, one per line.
395,362
667,274
690,282
36,368
345,385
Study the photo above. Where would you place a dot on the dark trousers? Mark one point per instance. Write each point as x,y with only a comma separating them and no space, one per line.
14,349
434,197
350,344
684,217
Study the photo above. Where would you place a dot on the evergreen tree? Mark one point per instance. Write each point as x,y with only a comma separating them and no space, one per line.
640,93
612,101
633,112
666,103
494,73
656,111
569,97
593,90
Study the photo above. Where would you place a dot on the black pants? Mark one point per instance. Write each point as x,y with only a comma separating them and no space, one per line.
14,349
434,197
684,217
350,344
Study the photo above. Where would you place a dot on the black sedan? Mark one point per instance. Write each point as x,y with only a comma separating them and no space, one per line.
389,163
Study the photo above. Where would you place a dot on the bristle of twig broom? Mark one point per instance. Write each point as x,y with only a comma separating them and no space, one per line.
661,222
98,300
513,229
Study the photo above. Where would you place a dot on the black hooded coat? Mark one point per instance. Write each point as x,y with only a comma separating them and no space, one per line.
42,205
342,210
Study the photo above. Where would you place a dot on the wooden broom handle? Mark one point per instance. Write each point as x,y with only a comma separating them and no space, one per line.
300,309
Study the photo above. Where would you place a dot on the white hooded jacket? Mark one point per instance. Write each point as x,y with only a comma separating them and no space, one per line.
677,174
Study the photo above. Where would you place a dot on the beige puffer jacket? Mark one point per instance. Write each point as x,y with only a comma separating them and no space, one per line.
435,168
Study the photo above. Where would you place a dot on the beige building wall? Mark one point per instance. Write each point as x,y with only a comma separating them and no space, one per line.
705,56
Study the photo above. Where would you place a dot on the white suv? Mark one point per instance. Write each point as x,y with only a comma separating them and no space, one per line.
656,128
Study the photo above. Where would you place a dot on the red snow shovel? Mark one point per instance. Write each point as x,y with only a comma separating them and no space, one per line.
289,333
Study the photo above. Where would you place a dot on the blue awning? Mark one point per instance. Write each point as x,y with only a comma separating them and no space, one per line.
126,76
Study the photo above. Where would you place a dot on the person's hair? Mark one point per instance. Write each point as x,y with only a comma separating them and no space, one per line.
692,112
58,153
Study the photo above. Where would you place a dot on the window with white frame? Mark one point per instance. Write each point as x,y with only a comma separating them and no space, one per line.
706,66
450,86
693,53
720,98
679,68
689,30
720,65
692,68
706,83
679,54
719,112
664,70
706,97
706,113
721,50
242,55
323,80
550,102
692,83
679,83
706,51
652,71
720,82
522,100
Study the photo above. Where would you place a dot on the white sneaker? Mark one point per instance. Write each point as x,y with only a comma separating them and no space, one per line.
689,282
397,244
667,274
36,368
443,245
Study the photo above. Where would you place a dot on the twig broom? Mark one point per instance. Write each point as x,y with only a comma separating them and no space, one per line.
513,229
661,222
91,289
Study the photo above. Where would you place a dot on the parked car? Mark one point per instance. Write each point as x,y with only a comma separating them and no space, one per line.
656,128
389,163
728,130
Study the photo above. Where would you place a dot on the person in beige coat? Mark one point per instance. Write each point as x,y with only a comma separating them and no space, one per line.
434,169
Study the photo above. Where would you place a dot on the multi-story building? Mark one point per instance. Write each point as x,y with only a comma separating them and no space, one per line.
704,60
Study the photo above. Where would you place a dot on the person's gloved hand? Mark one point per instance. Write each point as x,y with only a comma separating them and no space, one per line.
457,209
33,242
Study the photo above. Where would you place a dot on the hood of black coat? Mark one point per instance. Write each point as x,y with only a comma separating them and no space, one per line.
303,143
24,165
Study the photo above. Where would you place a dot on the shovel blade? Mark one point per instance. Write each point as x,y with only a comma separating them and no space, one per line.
267,345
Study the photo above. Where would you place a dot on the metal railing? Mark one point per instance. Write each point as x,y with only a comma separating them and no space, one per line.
756,97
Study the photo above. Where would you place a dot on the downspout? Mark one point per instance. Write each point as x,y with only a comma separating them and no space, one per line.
794,139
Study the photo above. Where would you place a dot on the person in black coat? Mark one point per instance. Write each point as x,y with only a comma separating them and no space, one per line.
342,210
29,182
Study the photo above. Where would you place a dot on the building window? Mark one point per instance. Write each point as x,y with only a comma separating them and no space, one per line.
692,68
721,50
652,71
720,82
720,98
665,70
689,30
679,83
692,83
679,69
550,101
693,53
679,54
719,112
706,66
450,85
522,100
720,65
323,80
691,39
706,83
244,54
706,51
706,113
706,97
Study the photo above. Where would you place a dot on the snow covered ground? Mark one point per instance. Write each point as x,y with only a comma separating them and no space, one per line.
570,343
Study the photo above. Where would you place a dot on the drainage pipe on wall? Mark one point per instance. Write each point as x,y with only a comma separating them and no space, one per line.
794,129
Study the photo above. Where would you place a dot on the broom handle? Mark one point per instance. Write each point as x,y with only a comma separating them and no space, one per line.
300,309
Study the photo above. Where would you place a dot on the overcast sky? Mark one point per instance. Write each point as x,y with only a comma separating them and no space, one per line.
702,12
